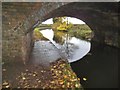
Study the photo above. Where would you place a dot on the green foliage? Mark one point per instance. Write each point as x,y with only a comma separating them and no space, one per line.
61,24
37,35
58,36
58,19
81,31
36,29
78,31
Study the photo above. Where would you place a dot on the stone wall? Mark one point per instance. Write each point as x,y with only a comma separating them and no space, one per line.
102,18
15,23
27,45
19,19
18,48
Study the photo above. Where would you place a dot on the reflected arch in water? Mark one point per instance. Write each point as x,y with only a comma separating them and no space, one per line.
74,48
82,48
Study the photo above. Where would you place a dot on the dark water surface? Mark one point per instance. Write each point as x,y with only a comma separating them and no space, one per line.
100,68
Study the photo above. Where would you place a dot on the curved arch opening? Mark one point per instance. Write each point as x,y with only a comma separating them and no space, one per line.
93,69
82,30
71,36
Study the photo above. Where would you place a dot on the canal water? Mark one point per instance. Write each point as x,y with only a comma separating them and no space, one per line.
95,64
72,49
100,69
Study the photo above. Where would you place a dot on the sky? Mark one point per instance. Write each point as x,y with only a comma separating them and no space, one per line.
70,19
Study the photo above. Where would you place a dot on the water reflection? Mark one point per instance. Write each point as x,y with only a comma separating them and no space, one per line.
80,49
73,48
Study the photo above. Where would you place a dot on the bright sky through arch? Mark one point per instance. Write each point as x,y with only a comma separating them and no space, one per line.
70,19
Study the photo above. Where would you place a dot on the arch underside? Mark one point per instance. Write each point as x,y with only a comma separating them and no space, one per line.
102,18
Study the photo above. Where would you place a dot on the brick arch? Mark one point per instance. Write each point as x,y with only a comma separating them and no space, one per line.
100,17
20,19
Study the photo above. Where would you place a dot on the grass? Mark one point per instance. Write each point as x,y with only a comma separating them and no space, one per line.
79,31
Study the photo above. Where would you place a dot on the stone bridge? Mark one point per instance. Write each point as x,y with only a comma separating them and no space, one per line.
19,20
